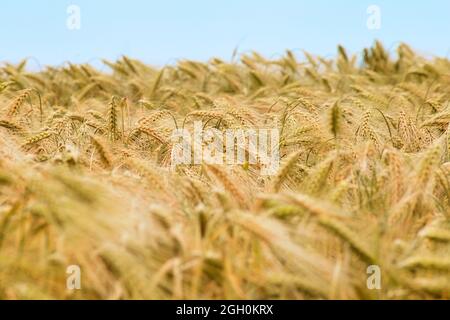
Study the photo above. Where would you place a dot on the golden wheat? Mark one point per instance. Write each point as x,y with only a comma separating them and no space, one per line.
87,178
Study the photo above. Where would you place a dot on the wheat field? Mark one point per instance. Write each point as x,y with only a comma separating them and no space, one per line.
364,180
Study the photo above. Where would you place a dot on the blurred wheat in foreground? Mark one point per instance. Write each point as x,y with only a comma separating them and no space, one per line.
364,180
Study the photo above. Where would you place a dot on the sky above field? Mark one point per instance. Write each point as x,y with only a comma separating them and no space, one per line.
161,32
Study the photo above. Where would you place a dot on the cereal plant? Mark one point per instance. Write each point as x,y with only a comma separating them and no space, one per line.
86,179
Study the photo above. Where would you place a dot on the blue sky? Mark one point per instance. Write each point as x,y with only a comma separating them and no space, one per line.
161,32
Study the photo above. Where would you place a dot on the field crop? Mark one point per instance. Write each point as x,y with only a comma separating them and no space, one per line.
364,180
